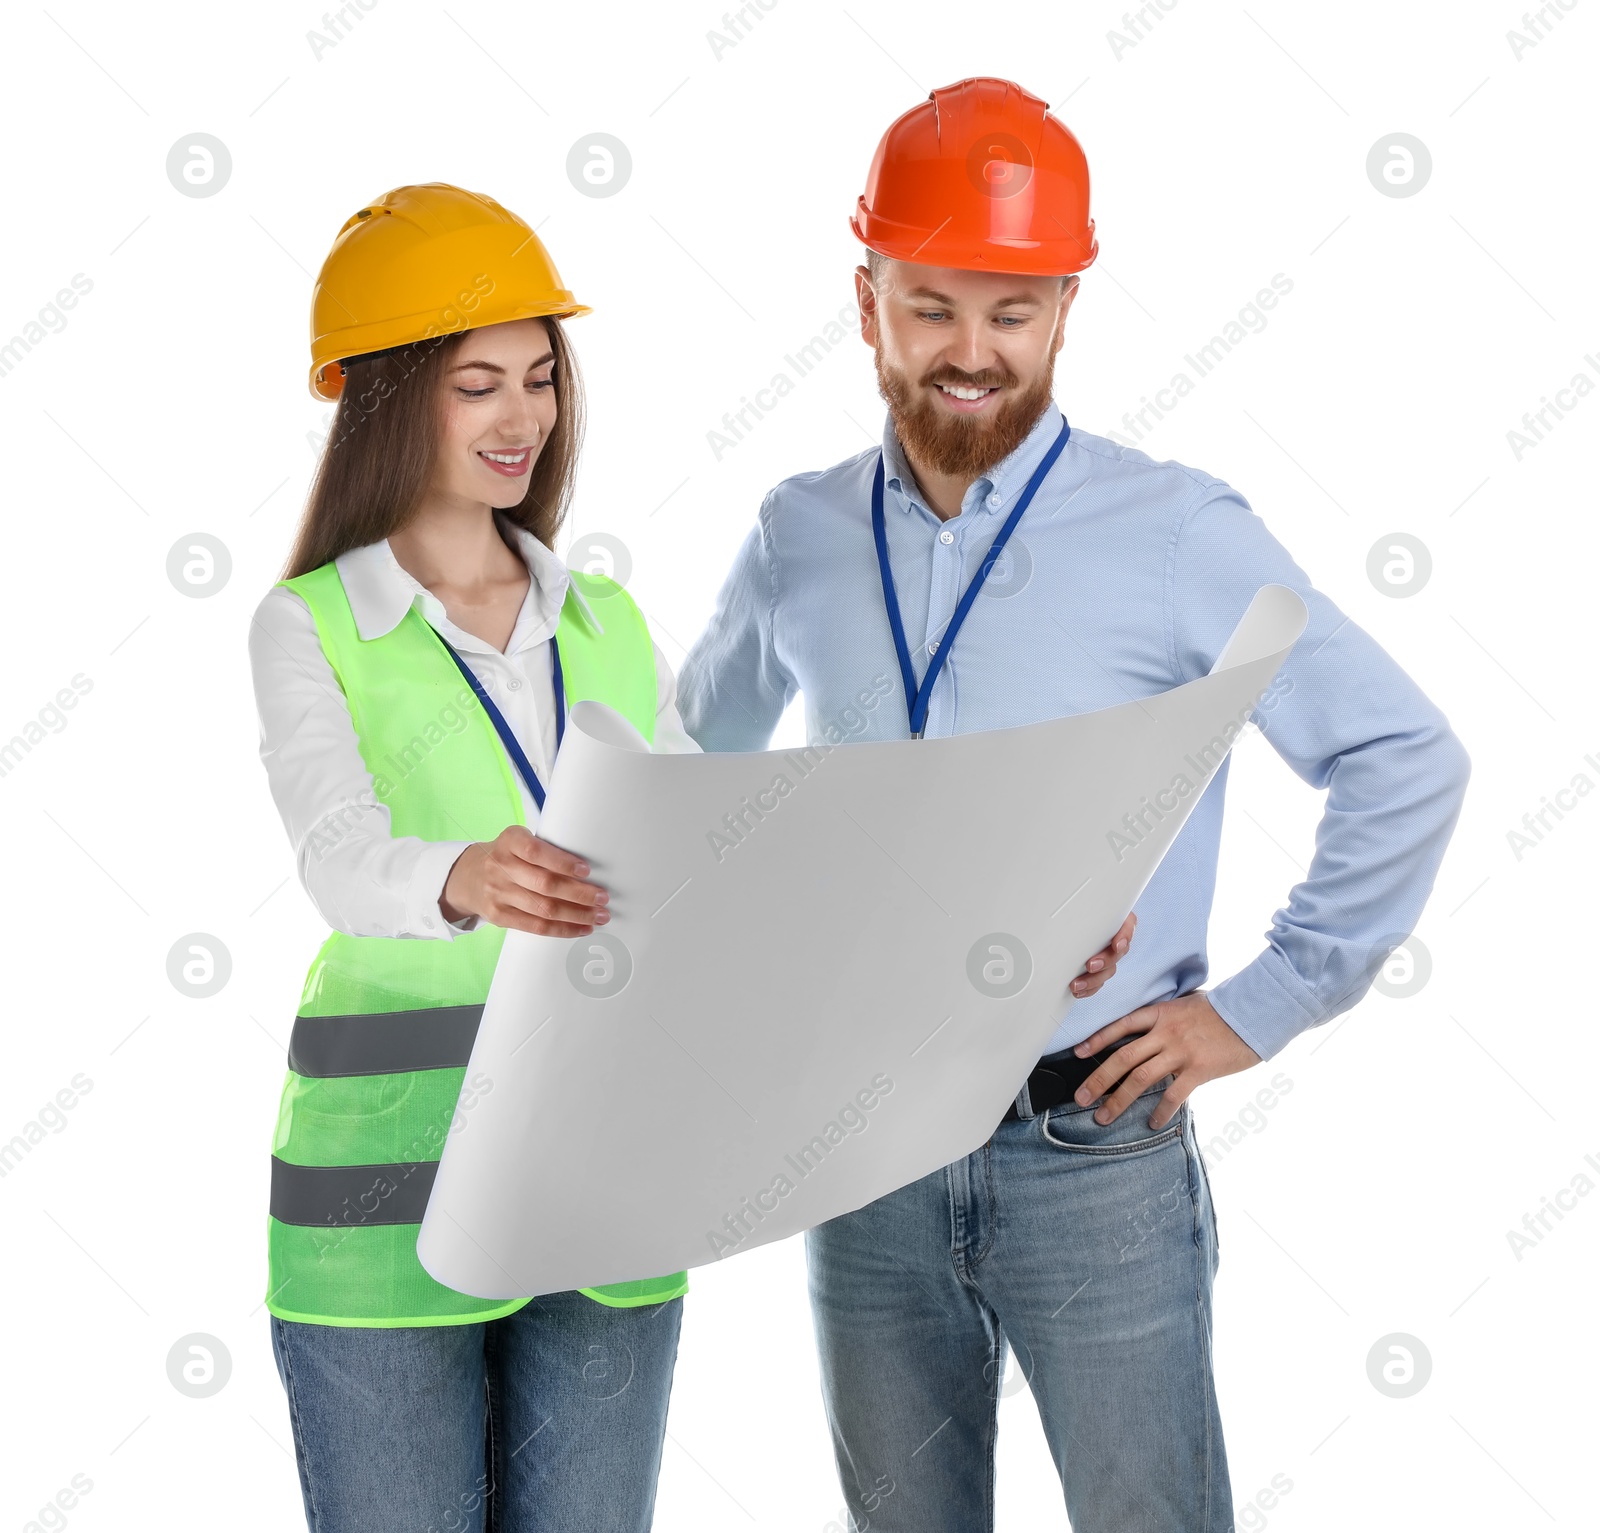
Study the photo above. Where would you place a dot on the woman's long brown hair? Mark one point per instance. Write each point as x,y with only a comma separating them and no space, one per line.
380,455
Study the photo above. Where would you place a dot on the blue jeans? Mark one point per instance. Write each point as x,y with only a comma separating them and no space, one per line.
1090,1250
551,1417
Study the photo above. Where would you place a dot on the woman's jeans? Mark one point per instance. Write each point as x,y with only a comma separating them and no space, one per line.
1090,1250
548,1418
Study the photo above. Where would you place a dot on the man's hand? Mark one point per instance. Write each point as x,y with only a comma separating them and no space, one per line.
521,882
1183,1037
1103,965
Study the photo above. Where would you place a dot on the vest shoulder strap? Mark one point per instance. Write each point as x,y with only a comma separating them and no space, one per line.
610,659
614,663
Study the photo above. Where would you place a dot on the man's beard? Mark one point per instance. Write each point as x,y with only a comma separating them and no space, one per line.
963,446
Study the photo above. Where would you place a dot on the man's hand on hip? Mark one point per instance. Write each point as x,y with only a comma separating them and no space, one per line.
1183,1037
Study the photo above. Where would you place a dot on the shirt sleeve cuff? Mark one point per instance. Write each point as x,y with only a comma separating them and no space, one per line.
1266,1004
423,892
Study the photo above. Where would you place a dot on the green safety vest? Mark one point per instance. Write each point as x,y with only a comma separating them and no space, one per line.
385,1025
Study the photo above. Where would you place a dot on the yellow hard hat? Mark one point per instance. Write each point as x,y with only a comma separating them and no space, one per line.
424,261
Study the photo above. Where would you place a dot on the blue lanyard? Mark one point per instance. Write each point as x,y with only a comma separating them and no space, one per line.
918,697
503,729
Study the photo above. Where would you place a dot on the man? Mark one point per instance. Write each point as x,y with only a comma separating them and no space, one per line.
1081,1234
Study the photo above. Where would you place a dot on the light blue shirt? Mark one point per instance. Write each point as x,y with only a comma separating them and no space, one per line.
1124,578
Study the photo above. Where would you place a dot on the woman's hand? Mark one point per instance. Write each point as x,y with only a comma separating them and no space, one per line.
1103,965
521,882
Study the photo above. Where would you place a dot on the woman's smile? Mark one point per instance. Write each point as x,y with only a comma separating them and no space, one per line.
512,462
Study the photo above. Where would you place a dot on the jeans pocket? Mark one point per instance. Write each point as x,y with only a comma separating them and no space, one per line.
1210,1203
1072,1129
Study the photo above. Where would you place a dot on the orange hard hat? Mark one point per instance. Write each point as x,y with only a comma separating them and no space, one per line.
981,177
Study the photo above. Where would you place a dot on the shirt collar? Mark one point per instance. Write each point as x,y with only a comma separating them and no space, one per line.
381,592
990,492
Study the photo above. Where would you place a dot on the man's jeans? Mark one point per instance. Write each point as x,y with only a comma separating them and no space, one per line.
1090,1250
551,1417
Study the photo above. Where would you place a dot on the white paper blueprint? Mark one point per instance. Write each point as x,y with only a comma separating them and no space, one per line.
775,1030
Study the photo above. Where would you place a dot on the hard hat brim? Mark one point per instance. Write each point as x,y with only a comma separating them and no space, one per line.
932,247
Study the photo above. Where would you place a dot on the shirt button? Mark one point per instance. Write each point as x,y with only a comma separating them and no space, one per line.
947,536
427,920
933,646
515,683
994,501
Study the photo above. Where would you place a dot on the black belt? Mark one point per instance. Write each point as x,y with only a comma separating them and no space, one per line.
1056,1078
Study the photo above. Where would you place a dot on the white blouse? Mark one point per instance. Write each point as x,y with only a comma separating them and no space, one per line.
365,880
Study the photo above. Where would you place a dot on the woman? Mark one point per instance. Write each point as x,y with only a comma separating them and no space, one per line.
422,600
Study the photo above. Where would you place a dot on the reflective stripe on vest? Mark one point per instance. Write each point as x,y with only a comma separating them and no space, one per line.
378,1055
351,1195
383,1042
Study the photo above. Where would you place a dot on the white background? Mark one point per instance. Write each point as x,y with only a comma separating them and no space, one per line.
1226,146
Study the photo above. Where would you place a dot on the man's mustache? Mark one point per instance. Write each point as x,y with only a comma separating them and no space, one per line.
988,379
